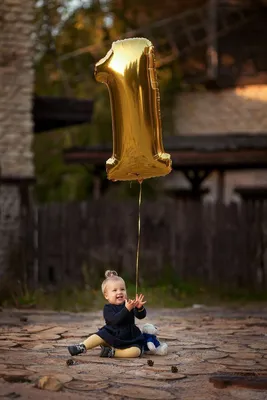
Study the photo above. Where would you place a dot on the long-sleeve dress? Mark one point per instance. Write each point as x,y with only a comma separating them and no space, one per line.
120,330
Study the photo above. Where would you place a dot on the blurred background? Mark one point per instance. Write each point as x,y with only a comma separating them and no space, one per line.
204,227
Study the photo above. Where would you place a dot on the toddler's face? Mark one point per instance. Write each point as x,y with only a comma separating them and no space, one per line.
115,292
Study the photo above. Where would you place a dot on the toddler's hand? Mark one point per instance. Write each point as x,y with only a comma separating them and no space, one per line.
130,304
139,300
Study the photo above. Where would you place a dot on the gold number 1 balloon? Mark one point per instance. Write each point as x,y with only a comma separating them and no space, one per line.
128,70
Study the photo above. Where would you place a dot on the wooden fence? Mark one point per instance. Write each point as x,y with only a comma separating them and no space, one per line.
216,244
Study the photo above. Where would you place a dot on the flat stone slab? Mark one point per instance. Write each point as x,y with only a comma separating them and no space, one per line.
214,353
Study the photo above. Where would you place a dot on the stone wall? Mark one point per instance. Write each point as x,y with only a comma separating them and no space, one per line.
231,111
16,89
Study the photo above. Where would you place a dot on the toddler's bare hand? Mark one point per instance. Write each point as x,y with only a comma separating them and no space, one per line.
139,300
130,304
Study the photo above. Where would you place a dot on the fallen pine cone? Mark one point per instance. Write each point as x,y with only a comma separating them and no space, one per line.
69,362
174,369
150,363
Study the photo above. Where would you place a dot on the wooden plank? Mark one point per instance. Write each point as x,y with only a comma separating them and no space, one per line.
230,160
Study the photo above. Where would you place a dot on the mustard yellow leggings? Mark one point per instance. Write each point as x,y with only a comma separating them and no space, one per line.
95,340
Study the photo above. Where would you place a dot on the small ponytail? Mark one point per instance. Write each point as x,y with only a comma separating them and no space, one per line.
110,274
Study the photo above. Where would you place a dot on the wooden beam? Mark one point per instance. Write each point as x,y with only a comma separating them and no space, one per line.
57,112
184,159
251,193
232,159
10,180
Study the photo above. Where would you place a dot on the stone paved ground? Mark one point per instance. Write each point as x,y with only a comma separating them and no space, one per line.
203,342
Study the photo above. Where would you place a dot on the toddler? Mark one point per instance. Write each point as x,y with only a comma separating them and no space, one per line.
120,337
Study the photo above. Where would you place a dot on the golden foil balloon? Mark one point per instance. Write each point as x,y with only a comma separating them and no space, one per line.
129,72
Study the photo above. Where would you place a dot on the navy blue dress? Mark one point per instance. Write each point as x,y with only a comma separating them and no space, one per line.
120,330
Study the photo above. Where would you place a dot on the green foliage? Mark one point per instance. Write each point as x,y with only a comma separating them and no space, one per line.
57,181
75,300
186,294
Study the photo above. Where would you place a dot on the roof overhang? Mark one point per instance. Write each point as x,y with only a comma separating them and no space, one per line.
51,113
222,152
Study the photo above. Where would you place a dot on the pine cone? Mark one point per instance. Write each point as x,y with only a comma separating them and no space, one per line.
150,363
69,362
174,369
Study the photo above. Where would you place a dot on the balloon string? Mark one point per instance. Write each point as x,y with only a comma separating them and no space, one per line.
138,238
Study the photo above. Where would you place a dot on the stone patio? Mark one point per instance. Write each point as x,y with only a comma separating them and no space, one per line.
218,353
